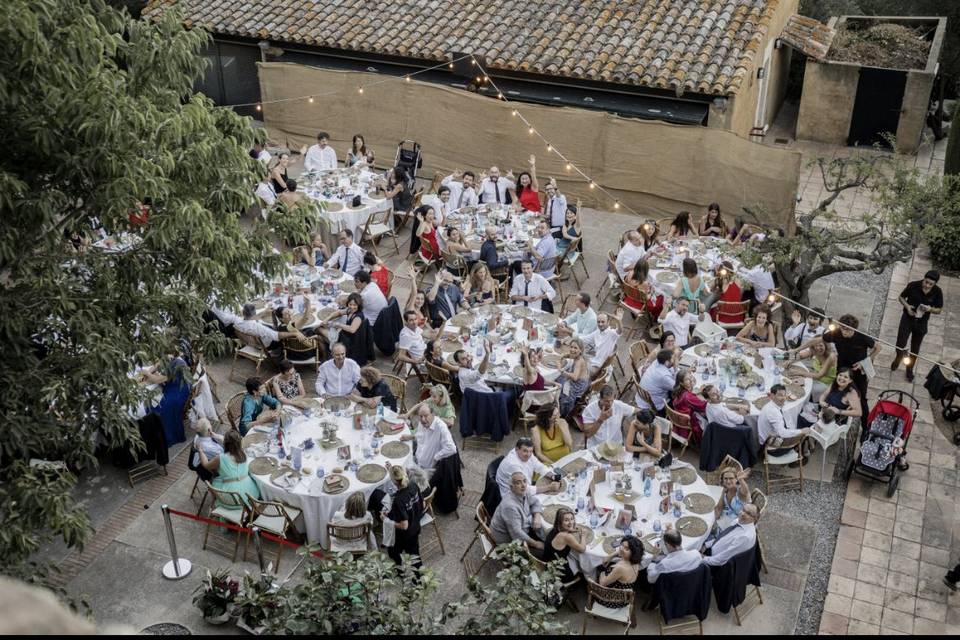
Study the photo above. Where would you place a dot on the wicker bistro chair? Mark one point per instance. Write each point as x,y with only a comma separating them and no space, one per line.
454,263
573,257
566,586
584,400
344,538
377,227
275,518
439,375
249,348
301,344
636,314
759,498
784,483
624,614
487,544
713,477
428,518
228,507
681,421
545,398
398,387
740,310
235,409
569,305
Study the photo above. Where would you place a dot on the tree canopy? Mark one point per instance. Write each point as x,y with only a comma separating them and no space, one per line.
99,117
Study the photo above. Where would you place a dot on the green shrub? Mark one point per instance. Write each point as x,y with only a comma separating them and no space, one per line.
944,240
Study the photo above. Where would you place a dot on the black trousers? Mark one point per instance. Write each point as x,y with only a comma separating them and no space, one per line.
408,544
953,575
860,383
914,329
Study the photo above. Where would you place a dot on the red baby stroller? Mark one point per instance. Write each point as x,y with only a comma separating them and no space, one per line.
883,446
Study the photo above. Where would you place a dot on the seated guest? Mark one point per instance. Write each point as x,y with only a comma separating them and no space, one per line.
269,338
717,412
469,377
680,321
759,332
603,418
676,558
649,234
231,468
462,189
434,355
621,569
445,298
519,516
658,381
427,233
528,188
761,281
266,193
531,289
278,172
735,494
455,243
602,343
667,341
372,390
353,514
288,386
339,375
551,437
252,412
583,320
354,330
372,296
258,152
631,251
314,255
480,287
688,403
488,250
440,405
434,442
348,257
358,153
496,189
735,540
824,369
725,289
378,271
571,230
691,285
320,156
398,189
574,378
563,537
842,396
712,224
291,197
417,302
681,227
771,424
643,434
225,318
530,360
411,347
803,329
544,253
206,440
521,460
557,211
639,277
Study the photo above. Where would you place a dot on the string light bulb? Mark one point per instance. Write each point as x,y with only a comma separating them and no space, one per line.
407,78
451,65
310,99
549,148
486,78
360,90
569,166
514,112
906,360
831,327
478,79
259,108
723,272
772,298
616,204
500,95
473,62
593,185
646,227
530,131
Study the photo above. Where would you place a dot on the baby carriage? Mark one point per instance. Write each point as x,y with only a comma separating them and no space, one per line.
883,448
409,159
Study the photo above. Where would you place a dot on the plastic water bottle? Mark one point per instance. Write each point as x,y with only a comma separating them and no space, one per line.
479,349
657,526
379,412
646,487
676,510
493,356
594,520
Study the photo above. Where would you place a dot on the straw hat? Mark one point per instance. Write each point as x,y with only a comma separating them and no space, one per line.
610,451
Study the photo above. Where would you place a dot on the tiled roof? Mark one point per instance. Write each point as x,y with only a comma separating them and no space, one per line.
808,36
700,46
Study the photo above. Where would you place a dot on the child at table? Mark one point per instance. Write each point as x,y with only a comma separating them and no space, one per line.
826,424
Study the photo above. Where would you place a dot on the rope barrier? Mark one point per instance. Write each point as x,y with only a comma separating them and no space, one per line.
240,529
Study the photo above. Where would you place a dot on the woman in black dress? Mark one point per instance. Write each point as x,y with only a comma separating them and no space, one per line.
355,332
372,390
562,538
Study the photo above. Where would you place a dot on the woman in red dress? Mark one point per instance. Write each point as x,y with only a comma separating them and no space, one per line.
528,191
429,245
685,401
726,287
378,272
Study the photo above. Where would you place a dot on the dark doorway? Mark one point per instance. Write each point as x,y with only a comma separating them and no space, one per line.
876,109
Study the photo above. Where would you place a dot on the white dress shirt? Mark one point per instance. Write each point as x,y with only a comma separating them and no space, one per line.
547,248
603,343
723,416
441,209
740,538
679,325
460,197
556,211
611,430
266,193
772,423
676,561
538,285
412,341
512,463
762,281
434,443
582,322
347,259
489,189
226,317
797,335
332,381
658,381
259,330
373,302
628,256
264,157
472,379
318,159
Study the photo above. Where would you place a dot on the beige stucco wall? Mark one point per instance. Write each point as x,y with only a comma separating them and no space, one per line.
913,115
829,90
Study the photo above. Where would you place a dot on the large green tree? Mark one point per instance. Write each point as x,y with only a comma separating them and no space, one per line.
97,114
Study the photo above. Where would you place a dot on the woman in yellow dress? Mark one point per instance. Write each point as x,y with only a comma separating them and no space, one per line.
551,436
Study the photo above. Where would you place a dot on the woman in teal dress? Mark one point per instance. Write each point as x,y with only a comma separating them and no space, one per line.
232,468
571,229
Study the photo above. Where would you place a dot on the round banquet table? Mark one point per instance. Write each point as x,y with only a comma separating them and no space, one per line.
323,302
666,258
507,339
646,508
335,190
307,493
515,229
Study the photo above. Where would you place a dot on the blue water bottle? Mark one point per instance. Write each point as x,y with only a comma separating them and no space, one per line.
646,487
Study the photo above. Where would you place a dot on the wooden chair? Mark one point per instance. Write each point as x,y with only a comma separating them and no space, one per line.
391,276
401,218
679,421
751,601
795,446
739,309
228,507
439,375
569,304
301,344
572,256
398,387
639,352
759,499
666,430
566,586
713,477
545,398
376,228
636,314
454,263
611,282
275,518
235,409
487,544
349,535
503,292
429,517
624,614
582,401
249,348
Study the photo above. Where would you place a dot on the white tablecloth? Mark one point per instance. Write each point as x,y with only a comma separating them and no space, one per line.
666,259
300,279
647,509
319,507
352,182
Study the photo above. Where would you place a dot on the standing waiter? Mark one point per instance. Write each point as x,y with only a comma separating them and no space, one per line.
920,298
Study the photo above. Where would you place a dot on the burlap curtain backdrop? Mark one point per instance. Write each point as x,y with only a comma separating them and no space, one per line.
655,168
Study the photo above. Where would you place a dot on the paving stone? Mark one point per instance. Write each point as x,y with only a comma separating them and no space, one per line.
853,517
936,532
869,592
860,628
842,586
866,612
900,601
876,557
853,534
936,611
922,626
879,523
904,564
941,491
894,620
833,624
877,540
905,548
901,582
872,574
856,500
838,604
907,531
847,550
845,568
881,508
937,556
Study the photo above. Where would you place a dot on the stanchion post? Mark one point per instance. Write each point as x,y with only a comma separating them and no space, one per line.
259,547
177,568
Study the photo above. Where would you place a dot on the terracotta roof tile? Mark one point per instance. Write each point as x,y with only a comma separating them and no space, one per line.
809,36
704,46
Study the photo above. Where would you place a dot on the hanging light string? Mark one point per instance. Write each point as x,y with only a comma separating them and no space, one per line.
311,96
552,148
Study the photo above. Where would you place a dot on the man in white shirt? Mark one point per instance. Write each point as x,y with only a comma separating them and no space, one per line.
658,381
734,540
411,346
680,321
338,375
373,299
556,210
601,343
348,257
442,206
521,459
630,253
206,440
801,331
462,189
494,188
762,282
771,423
321,156
226,318
583,320
266,193
269,338
603,418
259,153
469,377
434,442
545,252
676,559
718,413
531,289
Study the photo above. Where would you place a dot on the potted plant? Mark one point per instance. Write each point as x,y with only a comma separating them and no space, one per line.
258,600
215,596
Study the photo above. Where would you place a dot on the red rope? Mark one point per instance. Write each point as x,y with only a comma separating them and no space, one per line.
238,528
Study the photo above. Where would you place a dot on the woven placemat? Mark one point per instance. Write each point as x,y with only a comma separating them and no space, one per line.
550,513
386,428
333,207
448,344
699,503
794,391
253,438
343,485
336,404
703,350
685,475
262,465
588,535
667,277
649,545
371,473
551,360
347,286
395,450
546,318
692,526
325,313
545,481
733,402
574,466
462,320
761,402
282,471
